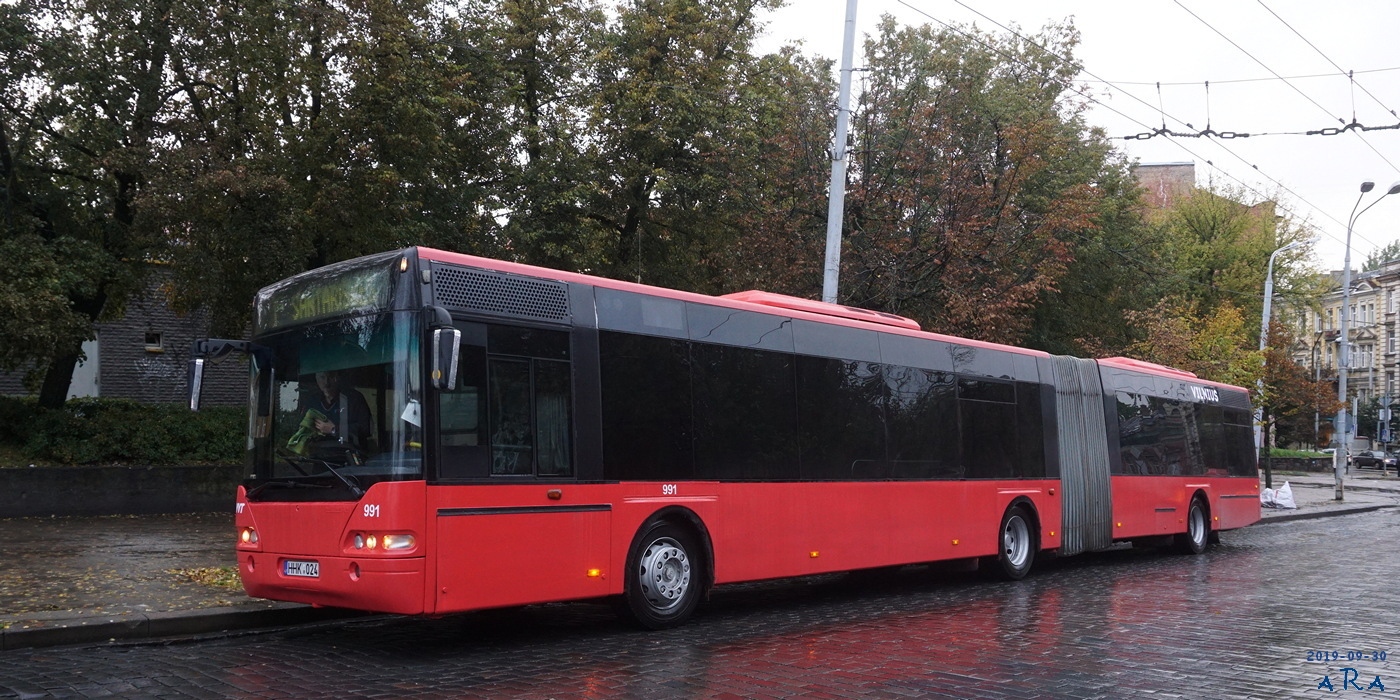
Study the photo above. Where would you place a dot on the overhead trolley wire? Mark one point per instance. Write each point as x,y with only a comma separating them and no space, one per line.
1350,74
1180,145
1256,60
1134,120
1285,82
1236,80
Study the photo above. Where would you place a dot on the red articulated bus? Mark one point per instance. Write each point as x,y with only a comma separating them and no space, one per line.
433,432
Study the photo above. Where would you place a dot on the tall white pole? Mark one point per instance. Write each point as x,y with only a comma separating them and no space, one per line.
836,203
1339,431
1263,342
1264,336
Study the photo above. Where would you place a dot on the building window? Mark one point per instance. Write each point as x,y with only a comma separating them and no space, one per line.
153,343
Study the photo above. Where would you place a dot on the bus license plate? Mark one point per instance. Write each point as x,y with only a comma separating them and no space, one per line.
304,569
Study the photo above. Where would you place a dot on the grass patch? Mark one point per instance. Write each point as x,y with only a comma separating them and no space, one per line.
217,576
1296,453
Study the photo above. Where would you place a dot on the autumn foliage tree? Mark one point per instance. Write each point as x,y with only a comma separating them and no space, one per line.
82,88
1209,345
1291,398
647,140
972,169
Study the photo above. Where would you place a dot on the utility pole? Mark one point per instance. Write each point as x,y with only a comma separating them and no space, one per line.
836,202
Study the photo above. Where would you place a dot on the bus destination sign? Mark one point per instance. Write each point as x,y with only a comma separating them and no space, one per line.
325,293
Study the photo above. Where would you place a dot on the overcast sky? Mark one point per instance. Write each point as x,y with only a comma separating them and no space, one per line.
1316,178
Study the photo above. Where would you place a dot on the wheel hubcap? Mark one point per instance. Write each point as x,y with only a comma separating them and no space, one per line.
1198,525
664,573
1016,541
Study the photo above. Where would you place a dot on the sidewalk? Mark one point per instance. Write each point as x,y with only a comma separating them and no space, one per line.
1364,490
77,580
72,580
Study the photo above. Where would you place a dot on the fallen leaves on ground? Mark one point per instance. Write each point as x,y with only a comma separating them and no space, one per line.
218,576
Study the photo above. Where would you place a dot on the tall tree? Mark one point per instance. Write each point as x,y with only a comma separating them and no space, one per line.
973,170
778,179
1217,248
82,100
1209,345
335,129
1291,401
1382,255
1116,268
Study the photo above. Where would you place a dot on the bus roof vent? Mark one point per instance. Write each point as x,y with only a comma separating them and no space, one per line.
783,301
493,292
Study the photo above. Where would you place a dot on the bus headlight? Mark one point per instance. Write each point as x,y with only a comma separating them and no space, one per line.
393,542
389,543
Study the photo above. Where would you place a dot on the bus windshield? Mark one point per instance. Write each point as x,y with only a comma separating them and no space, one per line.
335,408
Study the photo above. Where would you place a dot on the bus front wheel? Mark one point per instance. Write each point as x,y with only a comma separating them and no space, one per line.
665,576
1016,546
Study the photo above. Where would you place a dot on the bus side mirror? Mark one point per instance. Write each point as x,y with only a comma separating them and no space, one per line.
447,343
196,381
215,349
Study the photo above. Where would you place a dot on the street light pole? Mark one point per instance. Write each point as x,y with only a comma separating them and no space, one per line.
836,197
1259,433
1339,431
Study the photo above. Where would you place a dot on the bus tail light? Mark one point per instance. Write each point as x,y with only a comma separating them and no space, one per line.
248,536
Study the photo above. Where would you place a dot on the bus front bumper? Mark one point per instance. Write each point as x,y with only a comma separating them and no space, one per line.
376,585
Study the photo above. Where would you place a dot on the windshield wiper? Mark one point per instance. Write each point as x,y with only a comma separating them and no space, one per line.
285,484
349,482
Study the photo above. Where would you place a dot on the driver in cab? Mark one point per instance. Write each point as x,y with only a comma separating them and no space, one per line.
333,415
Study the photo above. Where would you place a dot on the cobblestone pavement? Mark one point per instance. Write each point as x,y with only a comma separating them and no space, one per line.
1238,622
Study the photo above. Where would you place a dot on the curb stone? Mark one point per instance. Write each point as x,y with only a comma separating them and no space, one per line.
166,624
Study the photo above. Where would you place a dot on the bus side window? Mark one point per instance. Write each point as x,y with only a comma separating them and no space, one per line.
552,419
462,419
529,400
512,440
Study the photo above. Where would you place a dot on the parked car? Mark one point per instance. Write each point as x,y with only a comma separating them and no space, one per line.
1375,459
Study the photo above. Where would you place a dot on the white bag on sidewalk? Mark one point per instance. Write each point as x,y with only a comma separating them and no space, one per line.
1283,497
1266,499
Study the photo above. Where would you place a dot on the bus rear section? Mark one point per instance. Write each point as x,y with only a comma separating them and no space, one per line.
1182,461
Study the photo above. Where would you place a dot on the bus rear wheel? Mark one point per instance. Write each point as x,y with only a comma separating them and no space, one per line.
665,577
1197,534
1016,546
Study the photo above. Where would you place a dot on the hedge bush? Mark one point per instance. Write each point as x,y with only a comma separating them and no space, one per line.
101,431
